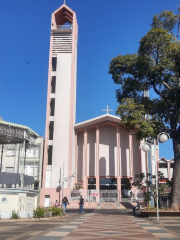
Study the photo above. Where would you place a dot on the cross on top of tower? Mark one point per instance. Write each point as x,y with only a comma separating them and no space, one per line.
107,109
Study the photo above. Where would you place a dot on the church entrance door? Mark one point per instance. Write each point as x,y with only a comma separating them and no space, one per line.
108,190
125,193
108,196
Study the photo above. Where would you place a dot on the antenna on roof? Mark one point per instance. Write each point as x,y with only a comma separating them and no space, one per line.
64,1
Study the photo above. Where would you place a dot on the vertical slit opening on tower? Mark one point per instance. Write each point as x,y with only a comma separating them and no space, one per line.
50,150
54,63
53,84
52,106
51,130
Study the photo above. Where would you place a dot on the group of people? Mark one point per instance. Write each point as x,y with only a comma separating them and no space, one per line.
81,204
65,203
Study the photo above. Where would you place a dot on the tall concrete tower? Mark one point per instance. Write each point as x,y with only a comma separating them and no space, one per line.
59,147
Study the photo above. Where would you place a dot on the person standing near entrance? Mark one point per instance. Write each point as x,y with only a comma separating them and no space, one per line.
81,204
64,203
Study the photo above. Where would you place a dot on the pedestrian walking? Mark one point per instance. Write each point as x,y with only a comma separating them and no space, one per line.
56,204
81,204
64,203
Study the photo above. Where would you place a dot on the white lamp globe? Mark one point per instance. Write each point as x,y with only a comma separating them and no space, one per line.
163,137
74,174
145,147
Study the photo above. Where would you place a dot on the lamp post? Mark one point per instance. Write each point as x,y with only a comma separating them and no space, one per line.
66,179
73,175
146,146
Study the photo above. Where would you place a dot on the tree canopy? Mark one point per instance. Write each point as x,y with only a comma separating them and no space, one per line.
154,68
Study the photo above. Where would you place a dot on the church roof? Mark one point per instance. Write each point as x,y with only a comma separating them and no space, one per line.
100,119
15,133
10,124
63,14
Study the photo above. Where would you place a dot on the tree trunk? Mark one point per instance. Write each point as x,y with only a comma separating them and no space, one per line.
175,193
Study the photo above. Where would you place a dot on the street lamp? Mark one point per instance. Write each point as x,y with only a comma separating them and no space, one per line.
146,146
72,175
66,179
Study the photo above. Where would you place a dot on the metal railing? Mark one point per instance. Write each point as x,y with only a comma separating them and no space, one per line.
64,27
95,195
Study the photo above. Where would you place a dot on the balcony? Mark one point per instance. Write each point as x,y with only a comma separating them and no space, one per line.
62,28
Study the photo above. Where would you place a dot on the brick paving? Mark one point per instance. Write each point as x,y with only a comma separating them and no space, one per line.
100,224
30,230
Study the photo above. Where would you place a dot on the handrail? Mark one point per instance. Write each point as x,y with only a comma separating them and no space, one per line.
64,27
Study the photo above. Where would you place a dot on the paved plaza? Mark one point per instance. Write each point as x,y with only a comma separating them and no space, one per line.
99,224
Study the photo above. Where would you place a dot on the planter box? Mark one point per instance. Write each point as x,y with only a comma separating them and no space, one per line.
161,214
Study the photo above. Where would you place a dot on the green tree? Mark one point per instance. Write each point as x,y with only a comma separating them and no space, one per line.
149,181
155,67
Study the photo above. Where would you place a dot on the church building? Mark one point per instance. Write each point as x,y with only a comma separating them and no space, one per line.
98,154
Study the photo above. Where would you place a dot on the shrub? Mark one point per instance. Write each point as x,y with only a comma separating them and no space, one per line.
149,208
55,211
14,215
38,212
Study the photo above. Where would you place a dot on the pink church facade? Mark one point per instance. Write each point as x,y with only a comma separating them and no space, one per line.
105,150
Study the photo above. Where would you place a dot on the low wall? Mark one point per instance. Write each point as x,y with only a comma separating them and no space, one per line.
149,214
22,201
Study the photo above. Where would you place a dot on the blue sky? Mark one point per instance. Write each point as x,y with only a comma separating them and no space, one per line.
106,28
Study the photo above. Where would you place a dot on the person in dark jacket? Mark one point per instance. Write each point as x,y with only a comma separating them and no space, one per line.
64,203
137,207
81,204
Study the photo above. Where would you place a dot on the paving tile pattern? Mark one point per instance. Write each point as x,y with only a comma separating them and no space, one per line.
30,230
169,224
112,226
101,224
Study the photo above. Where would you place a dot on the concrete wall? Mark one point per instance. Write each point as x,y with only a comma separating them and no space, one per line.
22,201
61,118
91,153
136,156
80,155
124,145
108,151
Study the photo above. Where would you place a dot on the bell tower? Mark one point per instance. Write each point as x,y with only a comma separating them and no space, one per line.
59,148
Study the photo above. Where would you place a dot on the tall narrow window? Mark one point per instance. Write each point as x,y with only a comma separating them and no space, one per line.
52,106
51,130
54,63
53,84
50,150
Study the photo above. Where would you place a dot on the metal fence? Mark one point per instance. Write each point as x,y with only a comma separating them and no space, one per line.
112,196
164,201
95,195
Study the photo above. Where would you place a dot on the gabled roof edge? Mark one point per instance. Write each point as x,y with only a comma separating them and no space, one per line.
64,5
